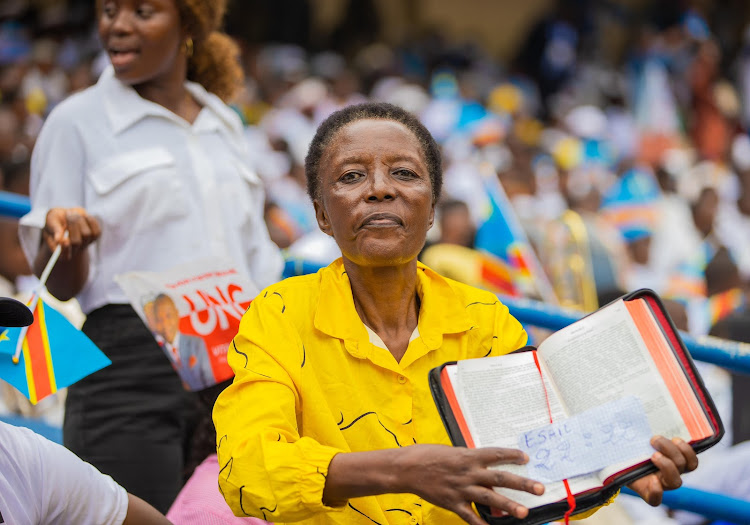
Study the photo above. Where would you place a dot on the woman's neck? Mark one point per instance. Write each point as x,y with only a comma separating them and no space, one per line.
170,92
386,300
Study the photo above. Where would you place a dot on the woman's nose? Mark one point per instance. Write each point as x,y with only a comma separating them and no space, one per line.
381,186
122,22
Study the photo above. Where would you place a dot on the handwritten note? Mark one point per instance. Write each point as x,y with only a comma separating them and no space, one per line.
605,435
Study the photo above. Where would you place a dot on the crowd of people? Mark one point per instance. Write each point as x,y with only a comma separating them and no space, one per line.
623,176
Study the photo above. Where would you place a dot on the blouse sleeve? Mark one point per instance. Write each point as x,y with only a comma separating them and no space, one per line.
267,469
57,176
508,334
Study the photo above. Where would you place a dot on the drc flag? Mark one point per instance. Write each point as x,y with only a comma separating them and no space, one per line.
54,354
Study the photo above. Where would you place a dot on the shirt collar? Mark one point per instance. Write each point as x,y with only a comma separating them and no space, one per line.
441,310
125,107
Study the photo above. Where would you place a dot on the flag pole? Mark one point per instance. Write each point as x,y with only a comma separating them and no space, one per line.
35,296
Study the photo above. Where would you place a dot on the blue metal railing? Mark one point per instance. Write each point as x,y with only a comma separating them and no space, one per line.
709,504
13,205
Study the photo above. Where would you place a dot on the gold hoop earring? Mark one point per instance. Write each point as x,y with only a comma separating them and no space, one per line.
189,47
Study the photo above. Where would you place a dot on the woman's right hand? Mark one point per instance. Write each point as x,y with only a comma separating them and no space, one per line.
83,229
454,477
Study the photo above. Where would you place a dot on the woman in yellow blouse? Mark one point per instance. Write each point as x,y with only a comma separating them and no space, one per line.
330,419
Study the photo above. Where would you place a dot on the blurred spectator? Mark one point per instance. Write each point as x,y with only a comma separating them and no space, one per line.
44,84
149,168
733,216
200,502
709,128
456,225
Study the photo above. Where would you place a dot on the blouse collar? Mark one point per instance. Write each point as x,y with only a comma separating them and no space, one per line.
441,310
125,107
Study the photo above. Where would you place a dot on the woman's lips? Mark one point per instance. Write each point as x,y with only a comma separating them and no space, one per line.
381,220
121,59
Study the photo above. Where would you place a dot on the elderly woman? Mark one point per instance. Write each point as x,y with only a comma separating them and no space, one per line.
330,419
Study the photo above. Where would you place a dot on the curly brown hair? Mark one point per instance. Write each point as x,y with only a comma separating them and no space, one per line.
215,60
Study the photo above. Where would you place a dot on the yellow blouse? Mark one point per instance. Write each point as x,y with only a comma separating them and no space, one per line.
309,384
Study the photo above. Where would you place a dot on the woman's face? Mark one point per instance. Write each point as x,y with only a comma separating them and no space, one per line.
143,38
375,193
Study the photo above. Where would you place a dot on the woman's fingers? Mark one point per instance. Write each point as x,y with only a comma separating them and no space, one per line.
669,474
673,458
649,488
671,451
501,478
96,231
501,456
481,491
82,228
457,477
54,227
691,458
490,498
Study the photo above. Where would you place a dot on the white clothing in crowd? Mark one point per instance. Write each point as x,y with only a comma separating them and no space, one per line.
733,229
43,483
152,180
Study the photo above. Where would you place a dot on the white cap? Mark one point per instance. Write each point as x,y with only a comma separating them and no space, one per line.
588,122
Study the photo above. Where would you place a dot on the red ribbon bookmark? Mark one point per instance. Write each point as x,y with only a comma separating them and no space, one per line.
570,498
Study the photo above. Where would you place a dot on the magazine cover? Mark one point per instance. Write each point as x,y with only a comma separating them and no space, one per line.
194,311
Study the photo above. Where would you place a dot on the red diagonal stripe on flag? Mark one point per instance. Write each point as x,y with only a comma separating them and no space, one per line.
36,344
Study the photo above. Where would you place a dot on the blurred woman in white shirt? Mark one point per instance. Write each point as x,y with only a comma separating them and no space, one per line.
145,170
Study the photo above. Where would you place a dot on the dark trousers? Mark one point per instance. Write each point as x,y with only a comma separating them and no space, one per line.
132,420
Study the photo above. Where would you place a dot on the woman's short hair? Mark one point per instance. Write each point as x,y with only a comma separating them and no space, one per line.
215,59
371,110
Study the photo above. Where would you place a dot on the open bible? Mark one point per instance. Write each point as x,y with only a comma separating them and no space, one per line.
583,405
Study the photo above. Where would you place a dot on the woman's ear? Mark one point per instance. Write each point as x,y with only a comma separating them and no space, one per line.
431,220
322,217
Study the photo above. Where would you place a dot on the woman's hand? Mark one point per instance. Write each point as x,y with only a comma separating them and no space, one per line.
83,229
672,458
71,272
454,477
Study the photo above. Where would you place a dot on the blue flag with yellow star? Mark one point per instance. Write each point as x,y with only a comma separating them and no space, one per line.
55,354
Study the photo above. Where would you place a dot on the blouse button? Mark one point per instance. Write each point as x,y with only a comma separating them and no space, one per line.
401,379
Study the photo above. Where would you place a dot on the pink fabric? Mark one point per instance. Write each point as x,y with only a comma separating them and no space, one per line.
200,502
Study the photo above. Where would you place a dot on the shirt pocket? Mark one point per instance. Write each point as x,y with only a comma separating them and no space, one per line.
137,190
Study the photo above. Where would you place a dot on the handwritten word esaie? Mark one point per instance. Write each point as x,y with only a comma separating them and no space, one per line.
589,441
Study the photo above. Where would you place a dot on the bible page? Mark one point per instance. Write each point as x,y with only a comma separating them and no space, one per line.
602,358
502,397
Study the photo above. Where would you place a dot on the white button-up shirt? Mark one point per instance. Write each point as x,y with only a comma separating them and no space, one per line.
165,192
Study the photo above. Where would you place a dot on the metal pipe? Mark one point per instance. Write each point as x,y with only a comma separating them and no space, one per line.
14,205
709,504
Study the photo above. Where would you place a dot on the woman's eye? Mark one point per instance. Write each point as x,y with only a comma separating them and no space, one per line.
145,11
405,173
350,176
109,9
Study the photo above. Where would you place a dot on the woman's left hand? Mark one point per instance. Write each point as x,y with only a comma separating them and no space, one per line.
673,458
